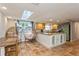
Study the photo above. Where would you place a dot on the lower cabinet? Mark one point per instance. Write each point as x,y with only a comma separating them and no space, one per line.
52,40
58,39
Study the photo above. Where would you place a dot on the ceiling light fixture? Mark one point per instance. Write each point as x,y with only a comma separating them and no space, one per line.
5,8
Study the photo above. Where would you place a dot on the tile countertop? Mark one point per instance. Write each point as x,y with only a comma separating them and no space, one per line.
9,41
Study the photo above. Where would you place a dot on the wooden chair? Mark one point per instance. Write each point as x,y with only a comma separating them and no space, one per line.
11,42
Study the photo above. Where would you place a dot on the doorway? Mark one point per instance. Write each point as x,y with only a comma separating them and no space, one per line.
67,30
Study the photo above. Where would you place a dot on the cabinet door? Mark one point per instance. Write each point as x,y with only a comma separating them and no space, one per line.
63,38
53,40
57,40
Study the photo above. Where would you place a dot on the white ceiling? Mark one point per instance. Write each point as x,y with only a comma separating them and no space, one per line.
43,11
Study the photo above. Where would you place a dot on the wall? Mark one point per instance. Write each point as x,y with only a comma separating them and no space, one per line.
2,25
77,30
74,30
10,23
5,24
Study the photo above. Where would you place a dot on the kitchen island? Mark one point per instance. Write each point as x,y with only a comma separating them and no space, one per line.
51,40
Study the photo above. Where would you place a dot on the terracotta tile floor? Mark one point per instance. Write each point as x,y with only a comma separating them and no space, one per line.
36,49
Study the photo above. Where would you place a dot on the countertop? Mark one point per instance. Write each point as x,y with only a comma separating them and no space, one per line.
50,33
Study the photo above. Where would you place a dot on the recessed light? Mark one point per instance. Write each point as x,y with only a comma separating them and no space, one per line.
5,8
36,4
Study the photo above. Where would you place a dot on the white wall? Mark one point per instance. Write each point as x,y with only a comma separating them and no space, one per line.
10,23
74,30
2,25
77,30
